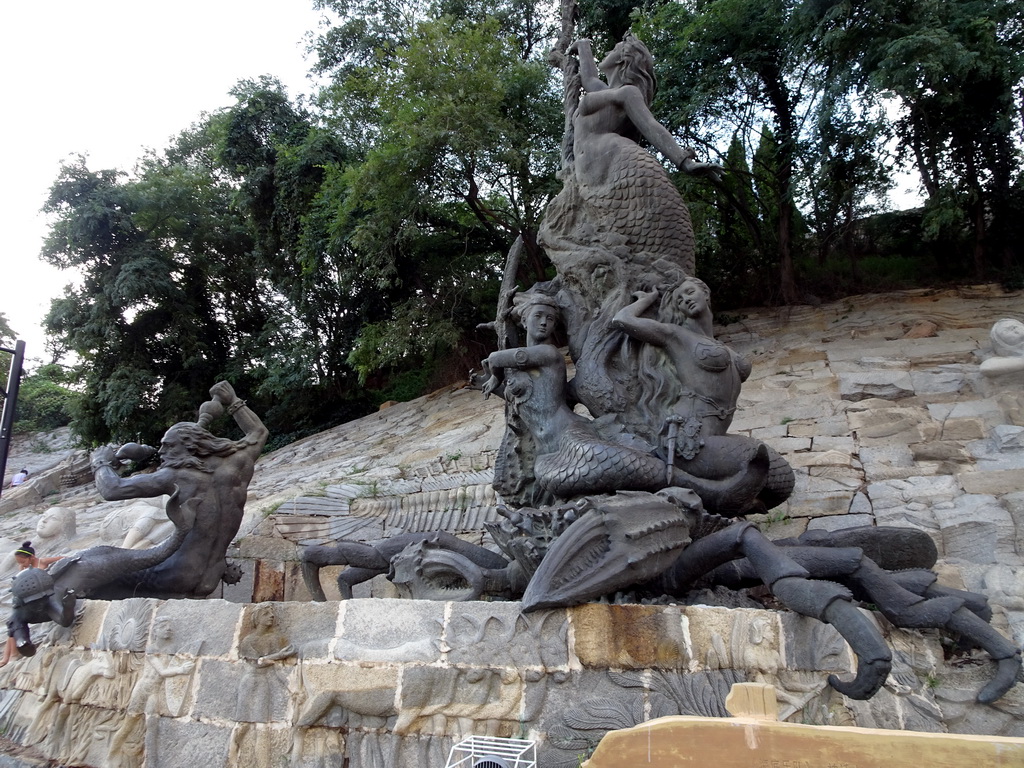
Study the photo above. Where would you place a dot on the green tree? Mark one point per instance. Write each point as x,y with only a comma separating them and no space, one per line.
956,69
46,400
164,292
460,131
726,66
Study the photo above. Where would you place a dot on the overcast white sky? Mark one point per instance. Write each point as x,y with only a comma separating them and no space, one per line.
108,78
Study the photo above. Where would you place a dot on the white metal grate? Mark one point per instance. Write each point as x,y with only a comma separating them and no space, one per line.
493,752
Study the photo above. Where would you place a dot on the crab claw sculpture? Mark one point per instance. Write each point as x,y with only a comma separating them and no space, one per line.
627,539
667,544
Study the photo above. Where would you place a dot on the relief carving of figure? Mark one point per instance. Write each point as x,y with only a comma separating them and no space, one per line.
137,734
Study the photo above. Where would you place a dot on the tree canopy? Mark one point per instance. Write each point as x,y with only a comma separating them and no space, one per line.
326,254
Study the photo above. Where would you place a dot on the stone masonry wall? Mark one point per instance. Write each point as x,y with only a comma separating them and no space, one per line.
395,683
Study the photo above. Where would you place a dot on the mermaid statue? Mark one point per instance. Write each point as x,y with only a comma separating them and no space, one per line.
551,453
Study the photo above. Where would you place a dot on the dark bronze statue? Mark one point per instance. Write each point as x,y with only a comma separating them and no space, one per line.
207,473
206,478
634,495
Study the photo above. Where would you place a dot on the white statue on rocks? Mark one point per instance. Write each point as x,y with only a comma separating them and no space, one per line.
139,525
1008,343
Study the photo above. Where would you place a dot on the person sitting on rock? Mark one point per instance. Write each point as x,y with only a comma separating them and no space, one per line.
19,478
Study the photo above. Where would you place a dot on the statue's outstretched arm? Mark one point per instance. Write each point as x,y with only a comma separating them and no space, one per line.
590,77
113,487
524,357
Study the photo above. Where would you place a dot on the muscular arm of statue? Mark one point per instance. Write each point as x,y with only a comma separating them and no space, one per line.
113,487
255,432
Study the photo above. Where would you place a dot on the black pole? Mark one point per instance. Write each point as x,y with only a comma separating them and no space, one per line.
10,403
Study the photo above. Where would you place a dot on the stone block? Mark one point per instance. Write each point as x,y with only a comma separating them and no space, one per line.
390,630
267,548
456,700
861,505
962,429
628,636
126,624
499,634
833,459
308,627
769,434
782,526
341,694
576,710
835,425
887,462
818,504
892,424
942,383
887,385
733,638
87,629
994,483
940,450
813,646
841,443
975,528
181,743
201,627
815,385
838,522
240,691
791,445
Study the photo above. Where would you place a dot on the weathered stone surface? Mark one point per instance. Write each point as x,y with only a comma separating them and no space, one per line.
390,630
310,626
433,699
887,385
204,627
499,634
948,381
838,522
995,483
362,696
189,743
975,528
894,425
126,624
940,450
241,691
628,636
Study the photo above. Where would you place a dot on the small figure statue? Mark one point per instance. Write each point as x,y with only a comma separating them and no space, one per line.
206,473
1008,343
